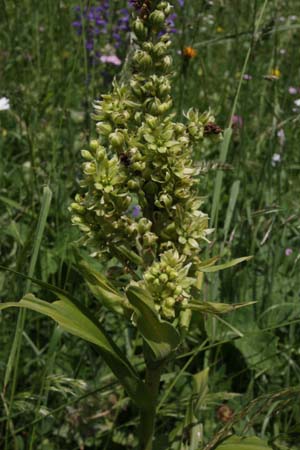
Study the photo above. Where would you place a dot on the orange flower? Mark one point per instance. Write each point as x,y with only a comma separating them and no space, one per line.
189,52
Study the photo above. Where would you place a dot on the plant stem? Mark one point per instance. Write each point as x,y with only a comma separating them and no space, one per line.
147,420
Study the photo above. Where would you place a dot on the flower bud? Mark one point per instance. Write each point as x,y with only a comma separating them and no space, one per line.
94,144
153,106
138,166
179,128
144,225
136,88
163,277
166,200
100,154
77,208
157,19
164,107
167,312
120,118
193,129
167,9
171,286
169,301
151,121
104,128
87,155
164,89
173,274
77,220
116,139
89,168
160,49
142,59
148,277
167,62
149,239
133,185
148,47
139,29
178,290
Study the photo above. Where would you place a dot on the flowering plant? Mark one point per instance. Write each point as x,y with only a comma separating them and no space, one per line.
139,206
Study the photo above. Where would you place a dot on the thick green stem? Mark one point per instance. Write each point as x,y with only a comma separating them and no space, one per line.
147,420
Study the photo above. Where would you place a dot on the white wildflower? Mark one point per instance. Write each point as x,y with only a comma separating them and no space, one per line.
4,104
276,158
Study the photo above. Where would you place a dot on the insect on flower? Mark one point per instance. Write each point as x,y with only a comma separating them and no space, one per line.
125,159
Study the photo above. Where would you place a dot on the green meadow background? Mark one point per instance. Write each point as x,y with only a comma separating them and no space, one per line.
57,393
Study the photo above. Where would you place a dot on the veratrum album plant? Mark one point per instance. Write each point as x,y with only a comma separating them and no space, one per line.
139,207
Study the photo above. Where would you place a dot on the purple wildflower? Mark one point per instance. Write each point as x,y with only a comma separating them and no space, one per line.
247,77
171,26
288,251
136,211
237,121
292,90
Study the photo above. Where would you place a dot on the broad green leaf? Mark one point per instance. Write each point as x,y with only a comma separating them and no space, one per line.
74,319
240,443
160,335
215,308
231,263
102,289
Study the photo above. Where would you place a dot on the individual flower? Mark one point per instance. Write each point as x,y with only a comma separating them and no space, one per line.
296,109
236,122
189,52
275,73
111,59
4,104
136,211
288,251
292,90
281,137
276,158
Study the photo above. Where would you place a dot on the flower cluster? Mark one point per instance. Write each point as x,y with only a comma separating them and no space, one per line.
139,200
